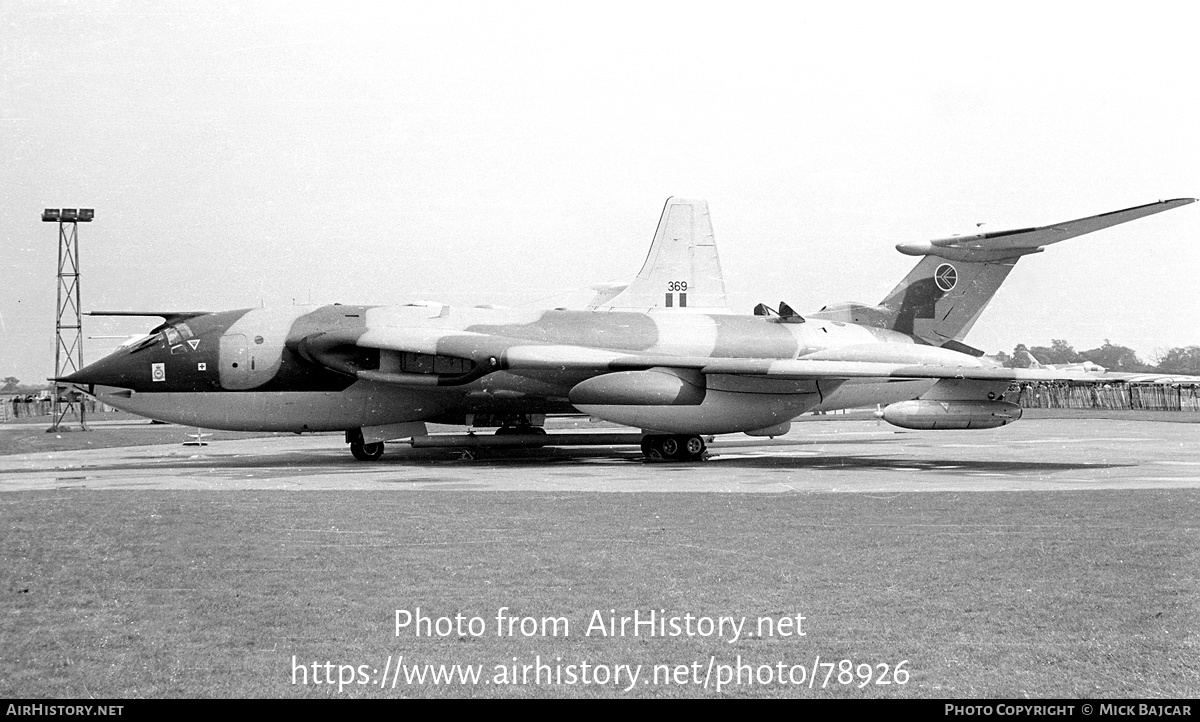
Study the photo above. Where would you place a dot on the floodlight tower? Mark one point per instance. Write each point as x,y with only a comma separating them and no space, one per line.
68,326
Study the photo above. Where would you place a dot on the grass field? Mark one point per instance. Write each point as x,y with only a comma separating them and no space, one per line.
171,593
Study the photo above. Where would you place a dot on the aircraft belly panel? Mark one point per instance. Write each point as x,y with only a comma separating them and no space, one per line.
387,404
360,405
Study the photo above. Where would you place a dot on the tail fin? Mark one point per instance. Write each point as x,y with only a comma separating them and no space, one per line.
940,300
1033,362
942,297
681,272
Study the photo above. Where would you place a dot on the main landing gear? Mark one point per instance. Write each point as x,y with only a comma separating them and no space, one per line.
675,447
366,452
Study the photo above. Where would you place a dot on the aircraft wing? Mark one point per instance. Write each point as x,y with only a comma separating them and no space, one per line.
891,361
1030,240
489,353
563,358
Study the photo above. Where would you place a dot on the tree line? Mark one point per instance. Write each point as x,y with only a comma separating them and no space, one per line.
1114,357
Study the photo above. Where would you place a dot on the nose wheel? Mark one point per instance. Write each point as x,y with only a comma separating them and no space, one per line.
366,452
676,447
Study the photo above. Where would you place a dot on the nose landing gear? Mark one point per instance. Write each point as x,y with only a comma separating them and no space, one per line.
675,447
366,452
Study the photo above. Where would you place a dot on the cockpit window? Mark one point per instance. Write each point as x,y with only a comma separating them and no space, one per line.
175,336
151,340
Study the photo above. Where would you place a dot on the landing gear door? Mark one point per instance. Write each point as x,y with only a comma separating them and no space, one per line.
234,363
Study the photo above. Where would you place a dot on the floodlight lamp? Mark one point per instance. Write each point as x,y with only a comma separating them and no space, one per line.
69,215
50,215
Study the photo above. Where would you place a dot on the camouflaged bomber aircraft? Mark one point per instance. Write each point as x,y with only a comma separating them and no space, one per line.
663,355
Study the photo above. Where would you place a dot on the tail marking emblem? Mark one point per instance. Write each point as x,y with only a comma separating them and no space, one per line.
945,277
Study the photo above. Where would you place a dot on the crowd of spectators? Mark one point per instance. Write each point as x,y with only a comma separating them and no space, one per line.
1147,396
20,406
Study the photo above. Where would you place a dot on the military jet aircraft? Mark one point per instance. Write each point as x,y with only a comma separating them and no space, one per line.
1088,366
1099,374
662,355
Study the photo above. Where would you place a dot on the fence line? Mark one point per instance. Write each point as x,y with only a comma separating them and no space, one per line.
1153,397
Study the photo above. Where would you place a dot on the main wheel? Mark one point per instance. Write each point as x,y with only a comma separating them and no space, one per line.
366,452
670,447
652,447
678,447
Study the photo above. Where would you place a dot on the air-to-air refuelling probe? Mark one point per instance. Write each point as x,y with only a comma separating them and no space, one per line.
663,355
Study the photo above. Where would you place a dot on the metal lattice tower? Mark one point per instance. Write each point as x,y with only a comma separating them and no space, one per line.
67,403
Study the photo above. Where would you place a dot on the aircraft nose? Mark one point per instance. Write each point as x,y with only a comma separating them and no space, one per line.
116,370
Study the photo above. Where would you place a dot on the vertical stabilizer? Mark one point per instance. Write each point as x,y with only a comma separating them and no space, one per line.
943,295
940,300
681,272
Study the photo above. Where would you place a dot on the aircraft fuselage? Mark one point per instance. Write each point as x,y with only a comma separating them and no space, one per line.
255,369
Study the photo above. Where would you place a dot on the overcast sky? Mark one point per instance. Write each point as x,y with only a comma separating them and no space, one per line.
248,153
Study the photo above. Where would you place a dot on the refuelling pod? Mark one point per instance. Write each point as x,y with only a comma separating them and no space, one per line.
929,415
682,401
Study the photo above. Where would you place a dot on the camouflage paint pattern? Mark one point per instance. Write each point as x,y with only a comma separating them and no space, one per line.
352,367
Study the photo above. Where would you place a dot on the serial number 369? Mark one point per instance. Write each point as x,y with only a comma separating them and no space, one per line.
676,285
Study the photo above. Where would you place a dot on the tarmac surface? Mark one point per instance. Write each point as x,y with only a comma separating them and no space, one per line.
820,456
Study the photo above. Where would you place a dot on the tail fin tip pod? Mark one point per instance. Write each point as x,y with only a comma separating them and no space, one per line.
943,296
682,270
